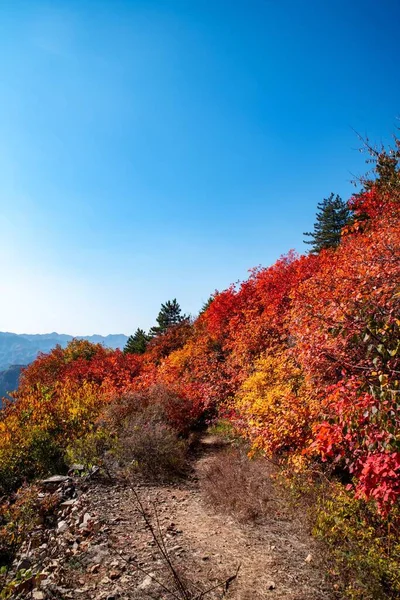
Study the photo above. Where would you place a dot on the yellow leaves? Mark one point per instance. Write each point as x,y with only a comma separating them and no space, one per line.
297,462
274,406
383,380
60,416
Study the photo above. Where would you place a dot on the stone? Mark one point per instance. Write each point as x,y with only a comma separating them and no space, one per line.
271,586
68,503
76,467
62,526
86,518
24,564
147,582
98,554
55,480
309,558
114,574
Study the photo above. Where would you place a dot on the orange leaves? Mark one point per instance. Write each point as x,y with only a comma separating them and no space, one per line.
352,293
172,339
305,352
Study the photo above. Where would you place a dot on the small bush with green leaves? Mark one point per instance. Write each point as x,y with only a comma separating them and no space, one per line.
41,455
365,548
97,448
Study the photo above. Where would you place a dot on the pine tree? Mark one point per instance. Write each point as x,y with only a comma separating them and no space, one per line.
206,305
170,314
333,214
137,342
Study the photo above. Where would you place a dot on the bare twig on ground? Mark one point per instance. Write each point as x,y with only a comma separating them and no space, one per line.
181,590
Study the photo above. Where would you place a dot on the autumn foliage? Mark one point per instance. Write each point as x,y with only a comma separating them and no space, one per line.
303,358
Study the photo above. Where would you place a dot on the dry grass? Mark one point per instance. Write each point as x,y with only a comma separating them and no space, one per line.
177,411
151,448
233,483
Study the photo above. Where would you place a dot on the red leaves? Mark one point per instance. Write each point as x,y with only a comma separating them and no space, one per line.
372,204
306,352
379,479
81,362
360,430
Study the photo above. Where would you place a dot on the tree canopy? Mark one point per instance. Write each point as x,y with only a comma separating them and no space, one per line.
137,342
333,214
170,314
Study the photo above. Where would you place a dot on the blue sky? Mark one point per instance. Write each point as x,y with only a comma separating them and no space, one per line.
159,149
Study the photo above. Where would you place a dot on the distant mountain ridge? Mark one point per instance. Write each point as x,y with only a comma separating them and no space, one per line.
9,380
22,349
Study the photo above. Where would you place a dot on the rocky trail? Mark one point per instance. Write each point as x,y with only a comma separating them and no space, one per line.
102,548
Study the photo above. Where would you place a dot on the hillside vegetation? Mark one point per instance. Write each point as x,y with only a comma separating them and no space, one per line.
302,359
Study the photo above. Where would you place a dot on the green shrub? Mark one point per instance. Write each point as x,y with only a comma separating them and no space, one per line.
39,456
224,430
94,449
43,455
365,550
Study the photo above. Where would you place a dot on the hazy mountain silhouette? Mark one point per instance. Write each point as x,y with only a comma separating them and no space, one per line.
9,380
22,349
18,350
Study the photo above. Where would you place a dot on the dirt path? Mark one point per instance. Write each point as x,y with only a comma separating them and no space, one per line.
110,540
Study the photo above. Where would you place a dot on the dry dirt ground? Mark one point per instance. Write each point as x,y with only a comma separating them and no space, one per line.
116,555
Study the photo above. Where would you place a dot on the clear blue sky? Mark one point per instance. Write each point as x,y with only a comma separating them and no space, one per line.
159,149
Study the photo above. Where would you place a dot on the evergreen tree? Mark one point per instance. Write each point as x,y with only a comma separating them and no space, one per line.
333,214
206,305
137,342
170,314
